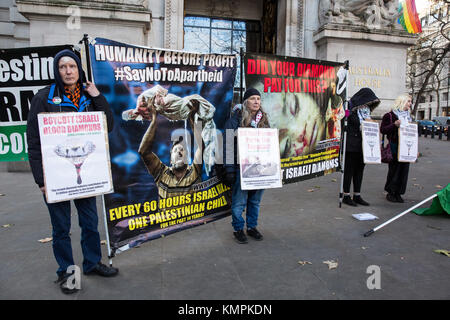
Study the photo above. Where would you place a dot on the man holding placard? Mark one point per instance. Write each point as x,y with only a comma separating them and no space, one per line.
68,94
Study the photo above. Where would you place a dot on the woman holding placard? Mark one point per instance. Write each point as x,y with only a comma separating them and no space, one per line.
397,176
248,115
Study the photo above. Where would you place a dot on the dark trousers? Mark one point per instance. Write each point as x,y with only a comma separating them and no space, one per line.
90,238
353,171
397,177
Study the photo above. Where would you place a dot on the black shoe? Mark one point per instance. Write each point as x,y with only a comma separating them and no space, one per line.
62,280
102,270
390,197
240,236
360,200
399,198
254,234
62,276
349,201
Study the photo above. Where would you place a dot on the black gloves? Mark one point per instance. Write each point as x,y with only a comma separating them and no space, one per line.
230,178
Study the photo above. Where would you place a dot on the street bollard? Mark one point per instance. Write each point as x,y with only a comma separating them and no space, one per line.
432,133
419,130
440,132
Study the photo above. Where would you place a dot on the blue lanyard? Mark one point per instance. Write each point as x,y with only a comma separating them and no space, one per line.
65,102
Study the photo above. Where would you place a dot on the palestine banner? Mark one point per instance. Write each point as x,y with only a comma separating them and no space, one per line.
23,72
165,177
304,100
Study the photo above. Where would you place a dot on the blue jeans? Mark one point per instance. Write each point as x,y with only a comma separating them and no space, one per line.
90,238
242,199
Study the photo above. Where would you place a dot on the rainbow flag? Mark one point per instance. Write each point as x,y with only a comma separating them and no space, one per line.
409,19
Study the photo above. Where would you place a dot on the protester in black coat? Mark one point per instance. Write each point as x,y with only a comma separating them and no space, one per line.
360,105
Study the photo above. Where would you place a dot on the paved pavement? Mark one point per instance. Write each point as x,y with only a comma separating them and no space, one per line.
300,222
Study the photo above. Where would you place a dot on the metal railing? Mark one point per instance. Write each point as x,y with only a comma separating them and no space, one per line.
441,132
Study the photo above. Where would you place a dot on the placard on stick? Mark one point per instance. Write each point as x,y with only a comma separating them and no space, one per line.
75,155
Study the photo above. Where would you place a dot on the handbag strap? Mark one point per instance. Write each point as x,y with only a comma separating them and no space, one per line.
382,138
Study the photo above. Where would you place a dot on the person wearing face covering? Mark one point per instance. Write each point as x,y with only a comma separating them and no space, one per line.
248,115
397,176
361,105
68,94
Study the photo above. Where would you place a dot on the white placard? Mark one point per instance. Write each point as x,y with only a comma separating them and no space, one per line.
407,142
75,155
259,158
371,142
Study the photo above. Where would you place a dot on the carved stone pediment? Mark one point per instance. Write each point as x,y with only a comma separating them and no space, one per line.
372,14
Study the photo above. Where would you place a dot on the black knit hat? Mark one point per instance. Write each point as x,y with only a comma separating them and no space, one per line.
73,55
251,92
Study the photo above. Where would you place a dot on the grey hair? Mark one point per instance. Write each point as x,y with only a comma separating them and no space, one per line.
246,115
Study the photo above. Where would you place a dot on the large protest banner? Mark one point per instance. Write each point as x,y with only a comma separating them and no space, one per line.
23,72
304,100
75,155
182,90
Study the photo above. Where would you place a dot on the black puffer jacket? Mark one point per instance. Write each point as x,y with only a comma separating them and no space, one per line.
367,97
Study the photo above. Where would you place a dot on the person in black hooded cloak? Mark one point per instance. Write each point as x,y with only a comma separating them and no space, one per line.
361,105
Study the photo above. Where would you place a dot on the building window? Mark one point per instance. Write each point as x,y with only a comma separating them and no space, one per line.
421,99
444,96
431,98
218,35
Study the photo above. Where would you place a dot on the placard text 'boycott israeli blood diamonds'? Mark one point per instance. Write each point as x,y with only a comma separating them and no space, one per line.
75,155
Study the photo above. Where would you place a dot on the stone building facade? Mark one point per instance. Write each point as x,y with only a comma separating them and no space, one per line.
363,32
434,101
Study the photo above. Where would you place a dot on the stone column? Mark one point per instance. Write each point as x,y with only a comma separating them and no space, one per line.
173,24
290,28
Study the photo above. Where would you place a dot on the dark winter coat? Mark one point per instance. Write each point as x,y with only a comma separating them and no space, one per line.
389,128
233,123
